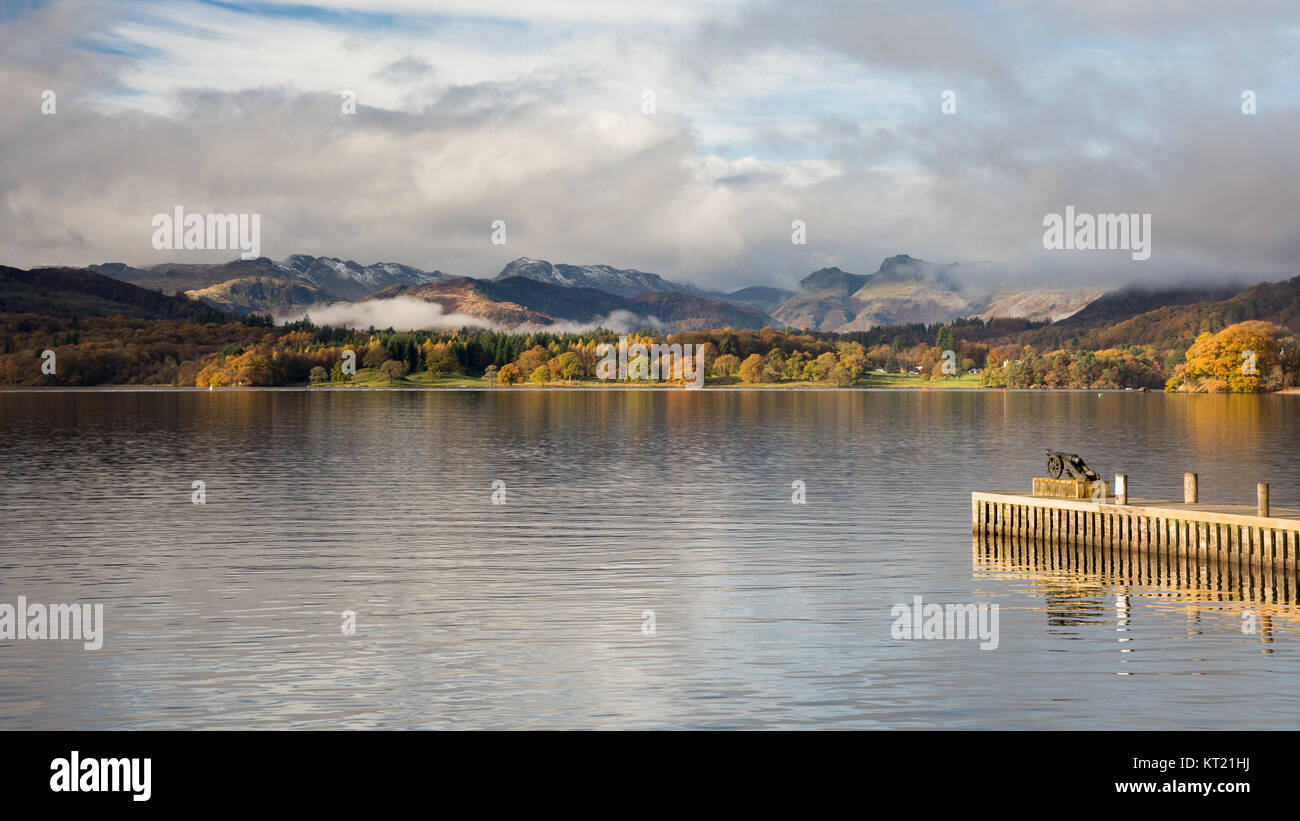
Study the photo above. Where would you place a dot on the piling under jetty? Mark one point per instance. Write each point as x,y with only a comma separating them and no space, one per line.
1202,532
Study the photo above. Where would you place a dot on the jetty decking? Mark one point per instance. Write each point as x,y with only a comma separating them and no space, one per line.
1198,531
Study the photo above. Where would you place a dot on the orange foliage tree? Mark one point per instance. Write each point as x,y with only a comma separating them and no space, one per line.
1242,358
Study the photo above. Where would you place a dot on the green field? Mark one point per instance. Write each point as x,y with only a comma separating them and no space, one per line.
870,380
898,380
370,378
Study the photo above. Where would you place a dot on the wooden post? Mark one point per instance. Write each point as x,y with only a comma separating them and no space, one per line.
1261,493
1190,491
1121,488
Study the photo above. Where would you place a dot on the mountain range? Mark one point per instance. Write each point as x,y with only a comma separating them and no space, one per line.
906,290
537,293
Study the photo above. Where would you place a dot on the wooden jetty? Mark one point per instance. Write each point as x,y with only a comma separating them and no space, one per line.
1254,536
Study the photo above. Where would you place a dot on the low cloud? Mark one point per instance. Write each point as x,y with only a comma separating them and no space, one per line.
399,313
620,321
409,314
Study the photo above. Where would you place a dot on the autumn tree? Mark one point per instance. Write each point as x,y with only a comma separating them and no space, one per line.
751,370
710,352
773,365
726,365
532,359
565,366
439,361
375,356
827,362
793,367
509,374
393,369
1242,358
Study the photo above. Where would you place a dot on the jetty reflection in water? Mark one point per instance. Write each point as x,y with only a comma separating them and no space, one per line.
1084,585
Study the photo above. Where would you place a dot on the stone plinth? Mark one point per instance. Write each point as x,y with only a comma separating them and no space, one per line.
1070,489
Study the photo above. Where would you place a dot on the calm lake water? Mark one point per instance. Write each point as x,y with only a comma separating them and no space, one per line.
532,613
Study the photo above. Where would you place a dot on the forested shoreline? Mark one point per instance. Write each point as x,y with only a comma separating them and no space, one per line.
1245,357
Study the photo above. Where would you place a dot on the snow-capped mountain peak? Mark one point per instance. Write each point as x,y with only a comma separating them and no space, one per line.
626,282
350,280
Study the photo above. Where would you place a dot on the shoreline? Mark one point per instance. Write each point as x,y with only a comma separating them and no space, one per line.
598,388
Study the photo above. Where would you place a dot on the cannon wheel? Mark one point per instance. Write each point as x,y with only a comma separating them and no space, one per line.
1055,466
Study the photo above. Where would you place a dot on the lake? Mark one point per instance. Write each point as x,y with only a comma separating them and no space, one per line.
646,568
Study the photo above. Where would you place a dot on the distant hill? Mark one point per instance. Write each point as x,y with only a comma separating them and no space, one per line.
548,294
469,296
1128,302
333,278
823,301
561,302
903,291
1168,327
66,292
1056,304
908,290
625,282
177,278
759,297
350,280
261,295
1177,326
516,300
685,312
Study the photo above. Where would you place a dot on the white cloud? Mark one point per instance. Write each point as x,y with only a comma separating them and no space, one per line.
620,321
530,113
399,313
409,314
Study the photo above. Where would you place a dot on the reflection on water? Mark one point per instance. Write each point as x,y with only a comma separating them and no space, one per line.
530,614
1087,584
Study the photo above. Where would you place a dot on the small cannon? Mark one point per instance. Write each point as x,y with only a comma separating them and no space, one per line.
1059,463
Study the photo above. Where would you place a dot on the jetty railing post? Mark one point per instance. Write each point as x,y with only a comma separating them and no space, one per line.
1121,488
1261,494
1190,490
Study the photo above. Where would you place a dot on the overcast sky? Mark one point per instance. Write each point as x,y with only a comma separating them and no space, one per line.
470,111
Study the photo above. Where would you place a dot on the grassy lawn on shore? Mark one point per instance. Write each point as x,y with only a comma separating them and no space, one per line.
370,378
870,380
